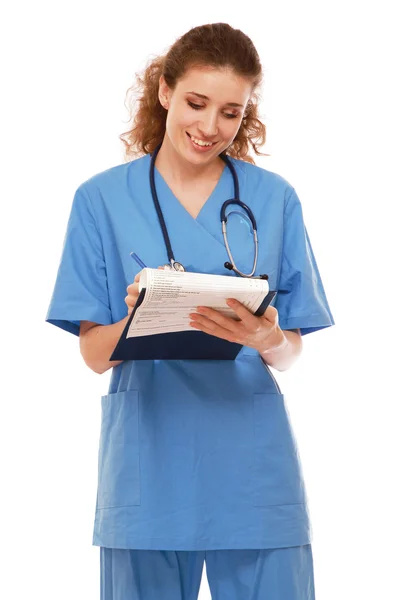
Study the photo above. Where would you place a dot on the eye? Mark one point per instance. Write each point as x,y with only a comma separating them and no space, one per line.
195,106
198,107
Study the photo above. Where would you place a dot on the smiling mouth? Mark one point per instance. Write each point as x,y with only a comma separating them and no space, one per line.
189,136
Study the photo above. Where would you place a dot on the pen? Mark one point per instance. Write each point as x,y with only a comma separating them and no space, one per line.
138,260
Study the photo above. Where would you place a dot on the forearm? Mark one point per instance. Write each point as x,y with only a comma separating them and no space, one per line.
289,349
99,343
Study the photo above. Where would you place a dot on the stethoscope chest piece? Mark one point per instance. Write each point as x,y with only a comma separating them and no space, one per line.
174,265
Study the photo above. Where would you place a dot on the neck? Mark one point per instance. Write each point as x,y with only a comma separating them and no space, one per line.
182,171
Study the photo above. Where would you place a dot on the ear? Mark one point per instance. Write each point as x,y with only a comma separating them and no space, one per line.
163,92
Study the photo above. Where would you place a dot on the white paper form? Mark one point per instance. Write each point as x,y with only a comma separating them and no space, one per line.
171,296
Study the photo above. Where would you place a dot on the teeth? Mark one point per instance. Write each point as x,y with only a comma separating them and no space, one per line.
200,143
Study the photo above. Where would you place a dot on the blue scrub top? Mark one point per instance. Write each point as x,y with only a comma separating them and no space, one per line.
193,455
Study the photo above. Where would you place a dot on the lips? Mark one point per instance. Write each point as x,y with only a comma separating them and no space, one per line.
188,134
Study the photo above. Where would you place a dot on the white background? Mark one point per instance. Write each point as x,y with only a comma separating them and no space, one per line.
330,103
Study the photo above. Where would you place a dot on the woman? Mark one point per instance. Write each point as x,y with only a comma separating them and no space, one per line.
197,458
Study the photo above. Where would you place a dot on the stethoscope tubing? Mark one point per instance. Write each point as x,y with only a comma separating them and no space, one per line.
158,207
236,200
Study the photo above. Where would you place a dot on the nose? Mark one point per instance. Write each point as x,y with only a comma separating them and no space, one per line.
208,125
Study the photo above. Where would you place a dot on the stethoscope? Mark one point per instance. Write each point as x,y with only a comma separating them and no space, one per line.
177,266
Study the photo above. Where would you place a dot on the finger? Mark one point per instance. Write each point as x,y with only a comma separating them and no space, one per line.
271,314
131,300
212,328
206,315
133,288
250,321
247,321
137,276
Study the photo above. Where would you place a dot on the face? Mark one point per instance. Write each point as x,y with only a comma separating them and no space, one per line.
207,104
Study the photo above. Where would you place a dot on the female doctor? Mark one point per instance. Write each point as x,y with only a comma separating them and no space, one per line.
197,458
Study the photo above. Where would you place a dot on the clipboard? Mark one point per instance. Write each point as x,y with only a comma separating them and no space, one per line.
180,345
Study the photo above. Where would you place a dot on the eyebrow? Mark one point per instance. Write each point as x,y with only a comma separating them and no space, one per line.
207,98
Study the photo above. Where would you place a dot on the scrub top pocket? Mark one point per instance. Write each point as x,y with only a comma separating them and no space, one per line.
118,466
278,477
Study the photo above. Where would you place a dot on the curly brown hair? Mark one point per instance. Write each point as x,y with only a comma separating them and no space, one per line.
215,45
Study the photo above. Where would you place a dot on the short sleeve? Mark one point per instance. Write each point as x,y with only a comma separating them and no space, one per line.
301,301
80,291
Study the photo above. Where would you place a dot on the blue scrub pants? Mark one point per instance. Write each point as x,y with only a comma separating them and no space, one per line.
268,574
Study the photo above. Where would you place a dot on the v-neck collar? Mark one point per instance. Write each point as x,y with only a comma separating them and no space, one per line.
190,236
160,181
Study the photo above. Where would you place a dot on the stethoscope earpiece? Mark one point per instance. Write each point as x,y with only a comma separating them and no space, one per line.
228,265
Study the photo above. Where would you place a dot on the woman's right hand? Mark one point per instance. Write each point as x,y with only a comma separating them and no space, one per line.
133,292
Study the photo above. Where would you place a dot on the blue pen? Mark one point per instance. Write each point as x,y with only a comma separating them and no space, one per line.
139,262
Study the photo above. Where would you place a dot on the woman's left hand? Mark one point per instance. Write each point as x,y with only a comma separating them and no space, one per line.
262,333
